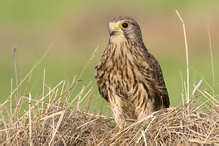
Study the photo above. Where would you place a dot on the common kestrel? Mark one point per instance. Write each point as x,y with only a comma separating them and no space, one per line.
128,76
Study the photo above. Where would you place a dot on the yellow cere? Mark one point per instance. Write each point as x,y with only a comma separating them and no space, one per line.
114,27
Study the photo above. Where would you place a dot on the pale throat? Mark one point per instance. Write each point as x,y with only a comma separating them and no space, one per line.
117,39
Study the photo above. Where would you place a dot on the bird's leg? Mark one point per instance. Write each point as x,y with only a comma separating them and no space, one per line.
118,116
120,121
118,112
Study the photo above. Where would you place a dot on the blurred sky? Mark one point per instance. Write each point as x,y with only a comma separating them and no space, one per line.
76,28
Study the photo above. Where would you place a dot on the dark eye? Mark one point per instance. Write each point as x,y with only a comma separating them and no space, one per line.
124,25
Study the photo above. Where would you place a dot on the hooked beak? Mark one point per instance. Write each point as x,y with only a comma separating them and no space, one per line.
114,30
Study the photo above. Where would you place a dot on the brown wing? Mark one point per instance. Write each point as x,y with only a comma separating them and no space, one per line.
101,75
156,79
157,75
101,83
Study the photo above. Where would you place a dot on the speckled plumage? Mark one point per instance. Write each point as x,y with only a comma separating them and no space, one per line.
128,76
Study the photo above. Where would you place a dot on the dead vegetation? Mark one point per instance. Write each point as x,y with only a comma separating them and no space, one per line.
60,122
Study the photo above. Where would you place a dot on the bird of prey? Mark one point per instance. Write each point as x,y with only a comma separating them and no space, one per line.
128,76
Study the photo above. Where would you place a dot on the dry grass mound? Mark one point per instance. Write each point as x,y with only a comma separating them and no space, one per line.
61,122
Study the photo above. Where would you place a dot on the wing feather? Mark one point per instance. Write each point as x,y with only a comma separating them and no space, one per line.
157,76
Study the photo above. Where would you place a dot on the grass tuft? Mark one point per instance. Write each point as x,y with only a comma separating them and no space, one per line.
65,124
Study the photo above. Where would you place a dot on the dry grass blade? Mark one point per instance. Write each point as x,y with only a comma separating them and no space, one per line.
57,126
212,63
30,121
143,134
187,58
196,88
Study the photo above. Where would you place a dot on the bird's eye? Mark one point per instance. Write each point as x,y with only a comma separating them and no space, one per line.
124,25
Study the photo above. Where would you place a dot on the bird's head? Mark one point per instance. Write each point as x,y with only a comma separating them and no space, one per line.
124,28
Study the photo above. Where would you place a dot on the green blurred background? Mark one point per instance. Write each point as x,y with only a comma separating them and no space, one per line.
76,28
